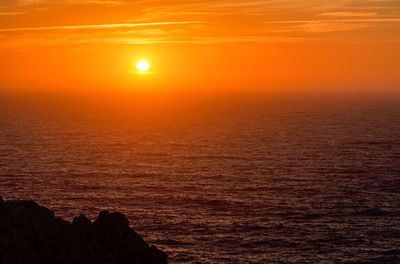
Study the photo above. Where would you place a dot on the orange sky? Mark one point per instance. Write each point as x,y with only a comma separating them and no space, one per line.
197,44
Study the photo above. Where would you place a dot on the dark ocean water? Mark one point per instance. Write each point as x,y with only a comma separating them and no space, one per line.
272,182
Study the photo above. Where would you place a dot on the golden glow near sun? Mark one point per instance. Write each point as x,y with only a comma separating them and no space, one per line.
143,66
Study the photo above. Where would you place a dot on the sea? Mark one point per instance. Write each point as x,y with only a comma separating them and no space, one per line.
262,180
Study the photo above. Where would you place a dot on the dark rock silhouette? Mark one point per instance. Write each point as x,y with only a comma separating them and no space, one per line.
30,233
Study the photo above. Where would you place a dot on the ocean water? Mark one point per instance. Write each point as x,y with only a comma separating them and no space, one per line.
291,181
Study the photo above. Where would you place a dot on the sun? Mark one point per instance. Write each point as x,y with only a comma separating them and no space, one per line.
143,66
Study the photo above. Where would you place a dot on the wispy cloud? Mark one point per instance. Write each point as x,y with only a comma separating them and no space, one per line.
99,26
138,33
344,14
52,2
202,21
334,25
11,13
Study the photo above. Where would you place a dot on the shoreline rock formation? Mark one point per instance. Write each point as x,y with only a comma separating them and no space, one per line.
30,233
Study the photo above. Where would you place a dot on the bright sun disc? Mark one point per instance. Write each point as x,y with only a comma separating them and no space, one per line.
143,66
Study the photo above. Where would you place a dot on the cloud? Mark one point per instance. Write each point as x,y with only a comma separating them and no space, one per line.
99,26
139,33
201,21
11,13
337,25
207,40
345,14
43,2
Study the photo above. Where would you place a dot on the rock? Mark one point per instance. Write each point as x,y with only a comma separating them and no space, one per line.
30,233
113,233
